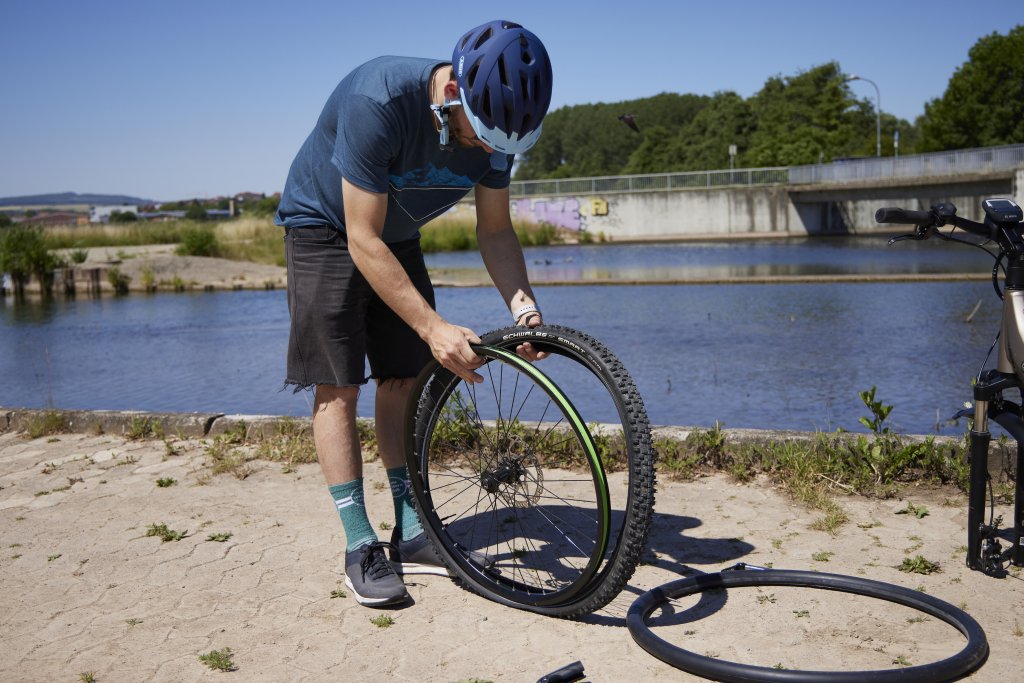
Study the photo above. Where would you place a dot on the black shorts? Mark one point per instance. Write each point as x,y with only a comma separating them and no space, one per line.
338,321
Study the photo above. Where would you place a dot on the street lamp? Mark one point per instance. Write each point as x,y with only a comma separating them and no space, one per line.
878,112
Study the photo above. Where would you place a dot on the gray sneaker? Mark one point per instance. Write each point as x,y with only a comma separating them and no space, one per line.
370,577
418,556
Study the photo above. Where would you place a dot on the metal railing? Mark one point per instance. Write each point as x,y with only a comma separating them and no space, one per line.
654,182
958,162
955,162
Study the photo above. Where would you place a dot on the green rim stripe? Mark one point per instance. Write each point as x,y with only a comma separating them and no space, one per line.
578,425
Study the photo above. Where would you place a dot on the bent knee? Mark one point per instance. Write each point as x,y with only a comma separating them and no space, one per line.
329,394
395,384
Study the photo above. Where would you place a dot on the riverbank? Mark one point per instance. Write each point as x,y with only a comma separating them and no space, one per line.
255,567
152,268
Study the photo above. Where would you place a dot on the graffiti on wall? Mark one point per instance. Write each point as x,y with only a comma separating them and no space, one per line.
569,213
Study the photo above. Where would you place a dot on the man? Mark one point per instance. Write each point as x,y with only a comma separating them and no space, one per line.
400,141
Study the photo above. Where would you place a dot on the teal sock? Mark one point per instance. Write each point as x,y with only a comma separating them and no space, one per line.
348,497
407,523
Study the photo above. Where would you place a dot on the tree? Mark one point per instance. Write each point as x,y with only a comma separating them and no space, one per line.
123,217
655,153
590,140
807,118
702,143
984,101
267,206
195,212
23,254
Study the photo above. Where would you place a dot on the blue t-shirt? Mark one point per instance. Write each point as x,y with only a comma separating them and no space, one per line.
377,131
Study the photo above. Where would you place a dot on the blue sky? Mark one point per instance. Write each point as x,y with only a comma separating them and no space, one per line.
187,98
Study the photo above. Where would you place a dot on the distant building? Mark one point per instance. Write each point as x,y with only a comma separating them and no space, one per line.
55,218
101,214
161,216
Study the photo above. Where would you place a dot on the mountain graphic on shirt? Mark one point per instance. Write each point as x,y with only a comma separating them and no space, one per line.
431,176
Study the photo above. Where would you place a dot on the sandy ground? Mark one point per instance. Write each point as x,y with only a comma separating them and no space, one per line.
86,590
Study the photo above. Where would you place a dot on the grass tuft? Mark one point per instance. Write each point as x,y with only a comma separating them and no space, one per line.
48,423
919,511
144,428
219,660
164,533
918,565
383,621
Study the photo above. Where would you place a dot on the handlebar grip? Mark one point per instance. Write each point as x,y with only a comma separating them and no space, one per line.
895,215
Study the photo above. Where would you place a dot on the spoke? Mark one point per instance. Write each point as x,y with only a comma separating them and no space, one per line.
564,536
525,399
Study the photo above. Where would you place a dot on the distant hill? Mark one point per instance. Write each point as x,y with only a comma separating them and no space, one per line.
64,198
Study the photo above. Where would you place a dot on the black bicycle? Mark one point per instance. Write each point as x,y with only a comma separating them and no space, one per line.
1003,227
528,503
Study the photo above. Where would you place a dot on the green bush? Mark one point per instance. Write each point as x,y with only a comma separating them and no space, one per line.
123,217
23,254
198,241
195,212
118,280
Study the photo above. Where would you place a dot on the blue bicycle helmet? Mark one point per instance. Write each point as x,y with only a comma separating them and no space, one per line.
504,78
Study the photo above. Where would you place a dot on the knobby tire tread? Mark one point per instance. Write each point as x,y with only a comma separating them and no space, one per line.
638,514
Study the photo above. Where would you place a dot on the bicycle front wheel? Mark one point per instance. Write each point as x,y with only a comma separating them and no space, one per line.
511,481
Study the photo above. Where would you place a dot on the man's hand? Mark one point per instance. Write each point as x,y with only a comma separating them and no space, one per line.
526,350
450,346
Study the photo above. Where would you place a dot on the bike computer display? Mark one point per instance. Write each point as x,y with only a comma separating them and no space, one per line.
1003,210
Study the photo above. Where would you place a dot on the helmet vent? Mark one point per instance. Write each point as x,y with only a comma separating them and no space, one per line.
508,117
503,71
471,76
484,37
485,100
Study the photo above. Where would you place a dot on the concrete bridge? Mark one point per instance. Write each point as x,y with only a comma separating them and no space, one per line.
820,199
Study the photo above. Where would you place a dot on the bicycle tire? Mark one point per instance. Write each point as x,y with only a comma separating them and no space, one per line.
960,664
575,587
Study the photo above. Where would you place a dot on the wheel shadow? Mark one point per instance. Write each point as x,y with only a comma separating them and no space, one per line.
669,547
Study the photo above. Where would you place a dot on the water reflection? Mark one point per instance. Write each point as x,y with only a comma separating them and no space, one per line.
28,310
728,260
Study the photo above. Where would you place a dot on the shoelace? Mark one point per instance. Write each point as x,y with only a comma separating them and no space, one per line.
374,562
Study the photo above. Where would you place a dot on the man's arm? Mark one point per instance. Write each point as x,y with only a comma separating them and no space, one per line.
503,256
364,224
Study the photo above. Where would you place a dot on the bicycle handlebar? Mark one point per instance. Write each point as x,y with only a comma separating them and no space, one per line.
936,217
905,216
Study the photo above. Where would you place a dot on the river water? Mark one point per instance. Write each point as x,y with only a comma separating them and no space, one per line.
790,356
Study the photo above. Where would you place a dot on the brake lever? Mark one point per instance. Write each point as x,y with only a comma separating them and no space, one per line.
922,233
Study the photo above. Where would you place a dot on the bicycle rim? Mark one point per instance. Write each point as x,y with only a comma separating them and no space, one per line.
509,469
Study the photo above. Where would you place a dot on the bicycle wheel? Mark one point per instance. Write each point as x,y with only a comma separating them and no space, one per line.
509,470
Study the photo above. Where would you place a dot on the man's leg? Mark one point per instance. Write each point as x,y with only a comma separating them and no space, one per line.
326,349
392,396
367,572
335,434
337,450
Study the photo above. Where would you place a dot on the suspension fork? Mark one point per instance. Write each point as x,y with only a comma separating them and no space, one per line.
983,548
980,438
1017,552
